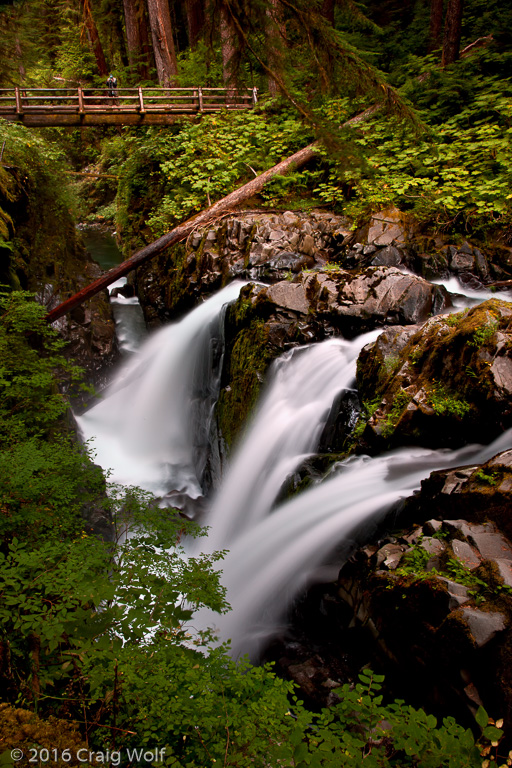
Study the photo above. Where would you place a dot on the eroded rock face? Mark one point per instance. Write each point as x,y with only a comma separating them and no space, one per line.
89,330
431,614
351,304
442,384
251,246
483,492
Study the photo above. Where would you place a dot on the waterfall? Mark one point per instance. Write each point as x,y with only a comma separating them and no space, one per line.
285,430
129,319
270,563
151,428
465,297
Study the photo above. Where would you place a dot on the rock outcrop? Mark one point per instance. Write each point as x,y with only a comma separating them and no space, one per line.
437,601
266,320
442,384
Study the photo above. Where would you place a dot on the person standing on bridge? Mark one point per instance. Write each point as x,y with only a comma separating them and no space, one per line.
112,86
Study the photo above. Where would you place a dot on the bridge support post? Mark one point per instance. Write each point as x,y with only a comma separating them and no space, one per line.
200,94
80,101
141,101
19,108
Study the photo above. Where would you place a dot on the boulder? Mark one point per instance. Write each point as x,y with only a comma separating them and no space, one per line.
483,492
442,384
388,227
442,634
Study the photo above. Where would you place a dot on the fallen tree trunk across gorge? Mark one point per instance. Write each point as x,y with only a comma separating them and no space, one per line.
228,204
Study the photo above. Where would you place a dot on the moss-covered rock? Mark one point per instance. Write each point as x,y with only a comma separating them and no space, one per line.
443,384
249,352
439,626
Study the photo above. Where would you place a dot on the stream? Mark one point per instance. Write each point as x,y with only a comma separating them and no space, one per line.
101,246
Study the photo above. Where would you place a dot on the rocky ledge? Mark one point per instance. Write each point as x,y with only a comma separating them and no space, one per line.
441,384
436,601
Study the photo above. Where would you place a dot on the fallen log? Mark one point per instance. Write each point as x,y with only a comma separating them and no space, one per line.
225,205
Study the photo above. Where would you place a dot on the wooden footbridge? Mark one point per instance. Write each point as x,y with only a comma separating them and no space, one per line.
124,106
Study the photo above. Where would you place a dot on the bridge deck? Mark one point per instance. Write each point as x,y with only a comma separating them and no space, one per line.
127,106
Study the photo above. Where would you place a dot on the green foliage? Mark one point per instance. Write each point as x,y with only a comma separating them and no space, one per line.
454,319
484,334
490,478
446,403
459,175
200,66
480,586
400,401
33,196
414,560
368,409
361,730
206,161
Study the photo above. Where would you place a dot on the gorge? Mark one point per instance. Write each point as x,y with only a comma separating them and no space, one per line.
157,426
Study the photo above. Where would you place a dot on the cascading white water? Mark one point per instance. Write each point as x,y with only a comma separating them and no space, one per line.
462,296
285,429
129,319
152,426
268,565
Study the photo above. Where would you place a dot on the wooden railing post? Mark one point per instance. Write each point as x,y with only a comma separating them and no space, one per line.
254,96
81,109
19,109
141,100
200,94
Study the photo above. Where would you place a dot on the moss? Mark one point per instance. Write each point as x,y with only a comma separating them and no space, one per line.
445,367
400,403
248,360
25,731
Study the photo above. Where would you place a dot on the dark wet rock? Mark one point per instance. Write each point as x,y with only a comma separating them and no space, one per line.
389,556
443,384
483,626
128,291
425,626
483,492
466,554
89,331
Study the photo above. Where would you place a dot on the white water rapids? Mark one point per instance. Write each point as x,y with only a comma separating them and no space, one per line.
152,430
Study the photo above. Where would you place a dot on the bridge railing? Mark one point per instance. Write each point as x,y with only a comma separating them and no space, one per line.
21,101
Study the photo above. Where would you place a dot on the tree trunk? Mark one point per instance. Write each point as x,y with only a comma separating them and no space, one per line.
19,59
275,37
93,37
436,24
228,42
228,204
327,10
452,32
181,232
163,42
137,37
195,20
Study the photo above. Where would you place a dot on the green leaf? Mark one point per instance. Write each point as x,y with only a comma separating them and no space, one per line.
481,717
